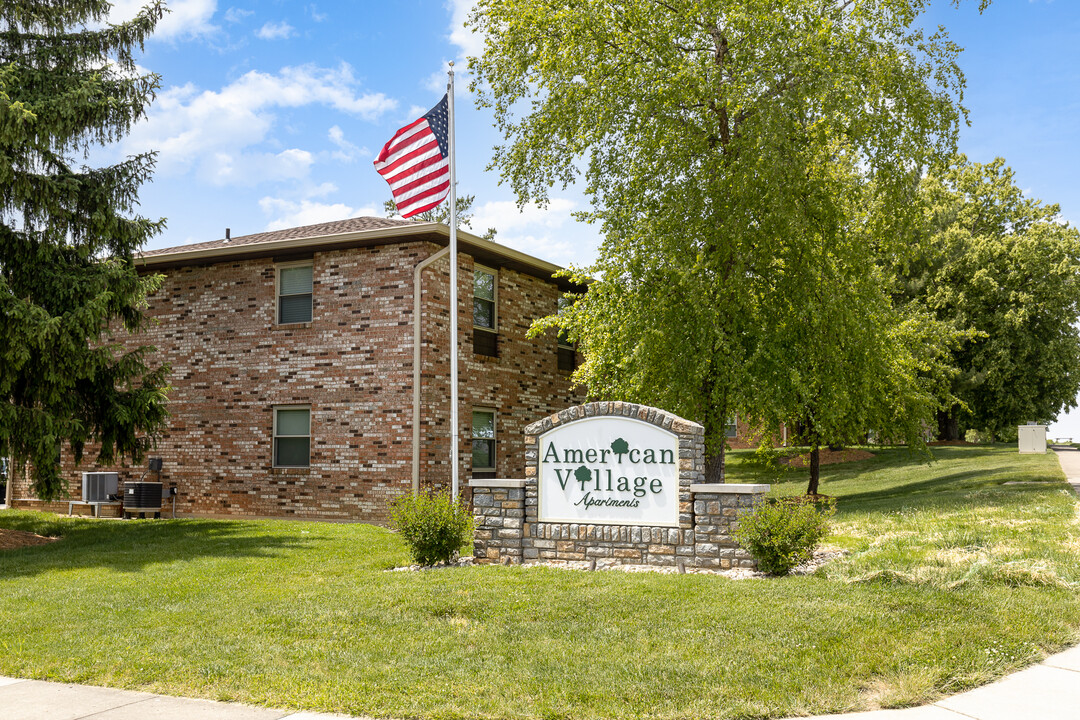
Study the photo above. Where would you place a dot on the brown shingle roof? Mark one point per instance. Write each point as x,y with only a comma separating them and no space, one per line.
322,229
354,232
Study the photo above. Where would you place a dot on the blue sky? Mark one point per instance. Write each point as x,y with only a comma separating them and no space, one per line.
270,113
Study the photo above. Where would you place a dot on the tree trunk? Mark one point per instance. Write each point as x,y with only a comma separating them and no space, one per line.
949,425
9,489
815,470
714,466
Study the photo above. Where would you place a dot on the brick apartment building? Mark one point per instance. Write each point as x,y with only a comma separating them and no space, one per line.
295,356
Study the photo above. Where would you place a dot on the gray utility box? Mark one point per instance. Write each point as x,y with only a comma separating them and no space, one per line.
98,486
1032,439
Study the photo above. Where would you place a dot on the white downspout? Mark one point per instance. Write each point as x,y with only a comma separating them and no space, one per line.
417,292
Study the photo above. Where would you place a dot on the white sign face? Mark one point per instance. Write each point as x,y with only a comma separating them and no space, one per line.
609,471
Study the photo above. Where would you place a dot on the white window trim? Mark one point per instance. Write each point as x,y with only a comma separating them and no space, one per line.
494,437
495,291
278,267
274,436
735,422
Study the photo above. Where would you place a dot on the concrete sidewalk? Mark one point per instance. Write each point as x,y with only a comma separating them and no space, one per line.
1069,457
1047,691
36,700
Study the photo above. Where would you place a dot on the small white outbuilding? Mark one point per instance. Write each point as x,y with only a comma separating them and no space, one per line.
1031,438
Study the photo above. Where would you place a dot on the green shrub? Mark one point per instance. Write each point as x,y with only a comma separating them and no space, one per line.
780,535
772,459
433,526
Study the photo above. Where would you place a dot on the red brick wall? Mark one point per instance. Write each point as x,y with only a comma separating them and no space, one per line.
231,364
522,384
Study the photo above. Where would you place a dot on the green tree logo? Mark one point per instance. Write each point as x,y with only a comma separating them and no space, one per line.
583,475
619,447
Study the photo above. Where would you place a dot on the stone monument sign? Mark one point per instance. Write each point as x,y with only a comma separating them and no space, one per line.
617,482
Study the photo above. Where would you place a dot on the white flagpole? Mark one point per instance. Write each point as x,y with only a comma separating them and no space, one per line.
454,440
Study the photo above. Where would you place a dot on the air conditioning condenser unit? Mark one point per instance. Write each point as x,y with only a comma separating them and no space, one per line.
98,486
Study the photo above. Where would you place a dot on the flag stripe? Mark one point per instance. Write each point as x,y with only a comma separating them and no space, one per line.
432,168
401,151
423,193
413,163
429,206
400,136
422,159
431,198
407,161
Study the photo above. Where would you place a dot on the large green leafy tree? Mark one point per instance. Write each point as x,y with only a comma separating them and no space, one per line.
707,133
68,235
1004,270
845,361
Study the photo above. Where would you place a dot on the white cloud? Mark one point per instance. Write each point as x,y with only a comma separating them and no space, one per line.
470,43
507,218
252,168
185,19
436,81
210,130
554,249
347,151
322,190
541,232
291,213
276,31
235,15
317,16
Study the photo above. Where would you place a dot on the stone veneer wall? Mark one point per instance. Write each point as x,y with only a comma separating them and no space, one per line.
507,528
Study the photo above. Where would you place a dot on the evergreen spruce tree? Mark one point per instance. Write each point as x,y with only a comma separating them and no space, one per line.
69,288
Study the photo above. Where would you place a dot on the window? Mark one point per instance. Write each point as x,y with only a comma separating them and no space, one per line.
566,349
292,436
294,293
731,427
485,317
483,442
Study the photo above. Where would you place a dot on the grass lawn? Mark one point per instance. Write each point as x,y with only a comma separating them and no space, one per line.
952,580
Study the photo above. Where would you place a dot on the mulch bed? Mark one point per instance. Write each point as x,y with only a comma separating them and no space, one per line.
829,457
808,499
15,539
956,443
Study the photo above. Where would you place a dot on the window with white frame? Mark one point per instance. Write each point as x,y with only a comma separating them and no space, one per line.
731,427
485,311
294,284
483,440
292,436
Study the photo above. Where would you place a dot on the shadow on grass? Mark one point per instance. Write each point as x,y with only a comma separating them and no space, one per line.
899,478
984,475
744,466
131,546
951,483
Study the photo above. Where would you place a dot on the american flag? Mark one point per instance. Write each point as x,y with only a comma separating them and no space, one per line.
416,162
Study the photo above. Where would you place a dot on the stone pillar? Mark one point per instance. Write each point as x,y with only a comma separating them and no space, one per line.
717,507
498,517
